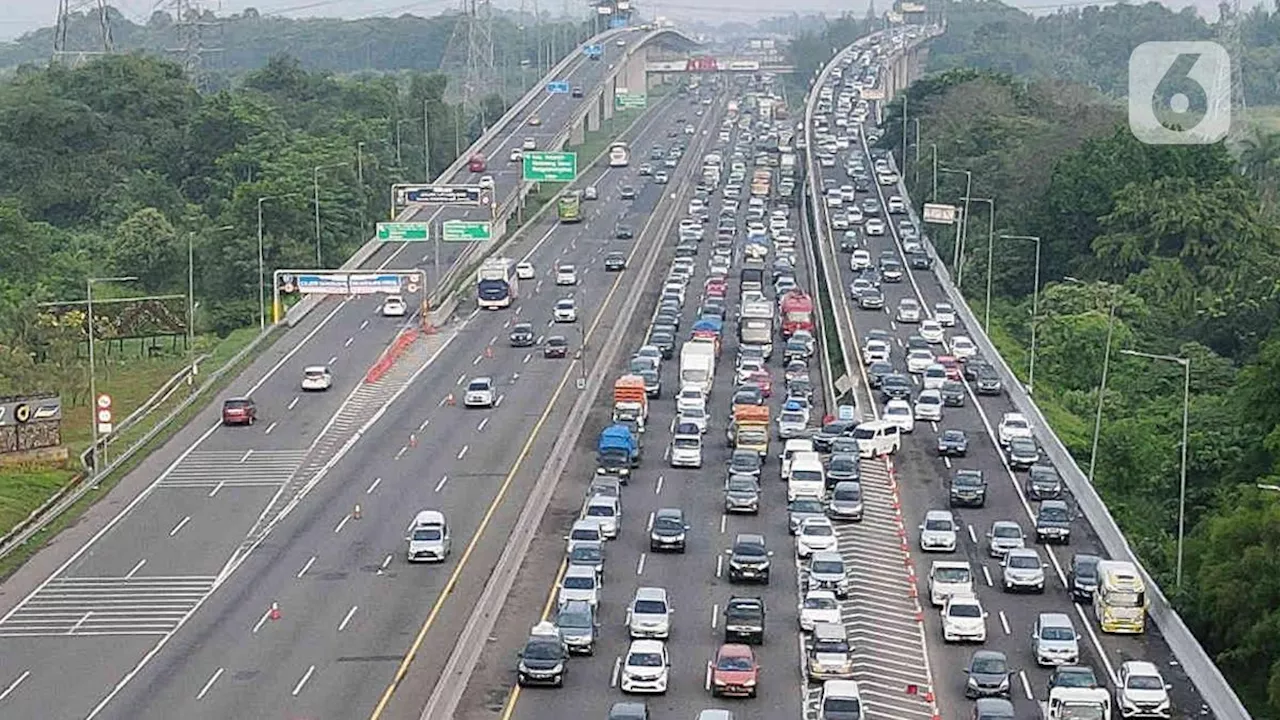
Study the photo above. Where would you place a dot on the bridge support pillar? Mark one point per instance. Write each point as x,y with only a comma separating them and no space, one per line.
578,132
592,119
635,72
607,99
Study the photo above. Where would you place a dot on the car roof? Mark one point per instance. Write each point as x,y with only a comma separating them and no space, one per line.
483,378
651,593
939,515
580,571
826,555
1054,619
735,650
669,512
951,564
1140,667
753,538
429,517
315,368
646,646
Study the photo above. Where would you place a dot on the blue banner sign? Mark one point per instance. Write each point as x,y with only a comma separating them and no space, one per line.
558,87
328,284
368,284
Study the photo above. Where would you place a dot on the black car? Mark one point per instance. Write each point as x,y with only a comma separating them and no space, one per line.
848,242
973,366
687,249
988,382
556,346
652,383
543,660
870,298
1053,522
1082,577
968,489
577,92
623,232
748,395
953,394
615,262
837,428
522,335
989,675
842,467
749,558
895,387
1023,453
953,443
667,533
920,260
876,372
744,620
745,462
665,342
1044,483
668,317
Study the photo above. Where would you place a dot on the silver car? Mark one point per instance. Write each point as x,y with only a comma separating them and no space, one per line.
606,512
1023,570
1054,640
827,572
649,615
846,501
801,509
1005,535
938,532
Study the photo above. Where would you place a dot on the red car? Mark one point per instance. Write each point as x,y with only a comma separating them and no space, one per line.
717,286
762,381
952,365
734,672
476,163
239,411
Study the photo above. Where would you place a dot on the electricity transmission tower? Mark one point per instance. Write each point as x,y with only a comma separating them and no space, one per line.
1230,35
62,51
470,53
193,30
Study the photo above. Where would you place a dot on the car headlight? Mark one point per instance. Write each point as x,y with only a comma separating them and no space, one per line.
749,683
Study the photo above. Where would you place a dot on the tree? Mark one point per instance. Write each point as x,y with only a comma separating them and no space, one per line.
146,245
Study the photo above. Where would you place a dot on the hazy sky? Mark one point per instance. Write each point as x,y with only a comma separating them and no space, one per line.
21,16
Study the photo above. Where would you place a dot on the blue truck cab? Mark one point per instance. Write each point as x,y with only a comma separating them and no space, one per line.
617,452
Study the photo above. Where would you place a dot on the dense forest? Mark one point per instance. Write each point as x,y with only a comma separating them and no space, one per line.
112,168
1181,246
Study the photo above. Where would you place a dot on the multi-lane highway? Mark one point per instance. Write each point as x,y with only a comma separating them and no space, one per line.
923,478
131,612
696,581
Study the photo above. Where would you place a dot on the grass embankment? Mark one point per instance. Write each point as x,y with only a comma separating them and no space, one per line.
131,380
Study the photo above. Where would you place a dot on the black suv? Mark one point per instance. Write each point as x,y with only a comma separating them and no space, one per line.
668,531
968,488
615,262
744,620
522,335
749,558
1044,483
988,381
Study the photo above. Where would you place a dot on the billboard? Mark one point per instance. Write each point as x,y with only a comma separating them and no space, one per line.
666,66
30,423
875,93
940,214
329,284
604,10
911,7
369,284
703,63
744,65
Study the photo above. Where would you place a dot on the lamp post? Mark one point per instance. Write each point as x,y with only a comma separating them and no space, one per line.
962,230
1035,308
1102,383
315,193
97,452
262,265
1186,415
991,237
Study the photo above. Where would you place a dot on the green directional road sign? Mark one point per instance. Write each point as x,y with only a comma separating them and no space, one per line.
550,166
465,231
403,231
628,101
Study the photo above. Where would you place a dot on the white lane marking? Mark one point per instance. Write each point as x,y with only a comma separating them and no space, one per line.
657,488
477,360
947,462
461,378
973,537
213,679
14,685
424,424
1097,643
649,526
261,621
294,402
1026,685
333,359
494,341
480,427
527,356
343,625
342,523
617,670
440,485
1004,623
719,565
270,427
303,682
386,562
706,679
307,567
986,575
364,323
373,486
347,344
83,619
179,526
400,453
640,565
463,452
498,402
136,568
216,488
724,520
715,615
247,454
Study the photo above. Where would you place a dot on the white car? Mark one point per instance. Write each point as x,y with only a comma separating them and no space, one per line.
394,306
815,535
529,144
963,348
1141,691
516,155
899,413
931,331
525,271
877,351
646,667
792,423
928,405
964,620
938,532
566,311
888,178
580,582
945,314
896,205
833,200
316,377
696,416
1013,425
873,226
919,360
819,606
566,274
749,367
690,398
486,182
1023,570
839,221
908,311
479,393
860,260
947,578
934,377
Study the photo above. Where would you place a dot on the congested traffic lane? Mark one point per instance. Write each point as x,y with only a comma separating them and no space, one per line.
349,600
923,478
695,580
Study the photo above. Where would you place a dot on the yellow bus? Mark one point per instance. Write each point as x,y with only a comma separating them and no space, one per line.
569,207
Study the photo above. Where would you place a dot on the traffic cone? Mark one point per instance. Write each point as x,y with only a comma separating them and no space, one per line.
274,614
488,352
413,440
448,399
355,512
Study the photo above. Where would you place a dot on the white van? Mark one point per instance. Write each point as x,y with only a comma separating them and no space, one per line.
877,437
840,699
686,450
807,477
793,446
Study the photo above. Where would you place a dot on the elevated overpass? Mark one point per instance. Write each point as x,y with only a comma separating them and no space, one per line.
693,63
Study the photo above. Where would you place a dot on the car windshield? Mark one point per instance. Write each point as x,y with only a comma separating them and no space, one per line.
591,533
427,534
806,506
579,582
938,525
965,610
688,443
1007,531
574,619
600,510
734,663
953,436
315,373
1082,677
1145,682
818,530
666,522
586,554
849,494
819,602
1053,514
951,574
478,385
750,549
1057,633
990,665
844,707
827,567
742,610
830,646
650,607
1024,562
792,418
843,465
542,650
742,485
637,659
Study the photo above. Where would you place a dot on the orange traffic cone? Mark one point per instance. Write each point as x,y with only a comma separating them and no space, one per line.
274,614
448,400
355,512
413,440
488,352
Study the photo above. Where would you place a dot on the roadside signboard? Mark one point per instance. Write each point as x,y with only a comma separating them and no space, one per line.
940,214
628,101
403,231
103,414
327,284
593,51
369,284
465,231
550,166
558,87
440,195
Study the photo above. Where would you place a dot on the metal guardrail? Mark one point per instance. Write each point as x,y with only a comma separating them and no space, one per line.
1208,679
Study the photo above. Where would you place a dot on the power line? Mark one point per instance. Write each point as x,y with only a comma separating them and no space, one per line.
67,10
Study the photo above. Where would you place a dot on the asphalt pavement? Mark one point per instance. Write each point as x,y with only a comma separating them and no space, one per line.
115,604
922,478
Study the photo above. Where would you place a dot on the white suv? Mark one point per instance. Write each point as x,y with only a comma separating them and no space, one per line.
1013,425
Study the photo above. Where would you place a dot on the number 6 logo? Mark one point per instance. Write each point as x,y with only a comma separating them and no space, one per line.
1179,93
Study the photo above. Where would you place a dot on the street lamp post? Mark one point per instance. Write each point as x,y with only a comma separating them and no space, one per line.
962,232
1186,415
1035,308
315,192
262,265
991,237
1102,383
98,454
